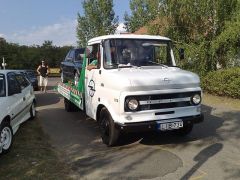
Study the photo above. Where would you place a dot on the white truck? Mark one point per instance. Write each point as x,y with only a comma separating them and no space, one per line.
136,86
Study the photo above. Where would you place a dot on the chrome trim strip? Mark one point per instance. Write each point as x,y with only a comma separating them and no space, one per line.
161,101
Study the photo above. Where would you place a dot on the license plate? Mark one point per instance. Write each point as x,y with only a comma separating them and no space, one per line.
170,125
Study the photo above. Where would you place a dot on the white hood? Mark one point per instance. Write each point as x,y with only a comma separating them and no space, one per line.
151,78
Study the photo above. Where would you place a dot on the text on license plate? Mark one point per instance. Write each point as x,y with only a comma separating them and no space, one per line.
170,125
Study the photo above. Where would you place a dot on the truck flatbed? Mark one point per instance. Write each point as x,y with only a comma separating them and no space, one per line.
70,92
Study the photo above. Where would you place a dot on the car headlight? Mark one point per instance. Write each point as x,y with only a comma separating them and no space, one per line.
132,104
196,99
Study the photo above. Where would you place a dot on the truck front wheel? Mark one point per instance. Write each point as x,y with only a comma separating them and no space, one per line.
109,133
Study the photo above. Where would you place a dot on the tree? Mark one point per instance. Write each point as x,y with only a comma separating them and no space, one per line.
142,12
206,29
98,19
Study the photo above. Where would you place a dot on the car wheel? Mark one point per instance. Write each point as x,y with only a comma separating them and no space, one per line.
76,78
6,137
185,130
63,79
108,131
32,111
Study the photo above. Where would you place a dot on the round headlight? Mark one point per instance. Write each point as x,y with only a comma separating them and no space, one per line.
133,104
196,99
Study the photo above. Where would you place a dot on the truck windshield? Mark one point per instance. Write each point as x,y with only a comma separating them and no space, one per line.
2,86
136,52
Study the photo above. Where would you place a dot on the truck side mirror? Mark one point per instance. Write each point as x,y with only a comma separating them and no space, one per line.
181,53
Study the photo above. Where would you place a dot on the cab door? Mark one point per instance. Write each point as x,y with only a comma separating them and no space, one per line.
92,80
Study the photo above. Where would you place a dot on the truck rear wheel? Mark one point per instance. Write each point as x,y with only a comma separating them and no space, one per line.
69,106
109,133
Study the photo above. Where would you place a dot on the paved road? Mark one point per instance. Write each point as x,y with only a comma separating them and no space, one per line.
211,151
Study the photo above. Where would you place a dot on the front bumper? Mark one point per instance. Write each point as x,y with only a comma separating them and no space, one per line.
152,125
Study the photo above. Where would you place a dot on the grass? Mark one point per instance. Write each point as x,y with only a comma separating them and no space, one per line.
32,156
221,100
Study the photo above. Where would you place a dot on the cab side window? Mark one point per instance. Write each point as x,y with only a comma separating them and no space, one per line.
23,82
13,85
95,55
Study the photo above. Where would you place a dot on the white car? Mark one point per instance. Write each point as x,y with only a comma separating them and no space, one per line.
17,104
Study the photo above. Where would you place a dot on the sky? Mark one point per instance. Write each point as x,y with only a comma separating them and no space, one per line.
31,22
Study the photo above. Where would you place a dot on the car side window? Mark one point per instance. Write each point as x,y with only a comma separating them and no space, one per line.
13,85
2,86
70,55
23,82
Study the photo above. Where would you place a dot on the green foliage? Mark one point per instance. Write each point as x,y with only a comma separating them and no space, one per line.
208,30
98,19
223,82
143,11
29,57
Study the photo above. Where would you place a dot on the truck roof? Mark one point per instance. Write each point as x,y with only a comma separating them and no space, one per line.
125,36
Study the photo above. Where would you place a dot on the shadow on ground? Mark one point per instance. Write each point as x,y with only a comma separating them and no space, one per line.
78,138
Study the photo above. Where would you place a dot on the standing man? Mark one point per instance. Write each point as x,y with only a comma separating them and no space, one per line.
43,71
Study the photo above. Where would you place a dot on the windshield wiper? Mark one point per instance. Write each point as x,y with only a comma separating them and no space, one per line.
158,64
124,65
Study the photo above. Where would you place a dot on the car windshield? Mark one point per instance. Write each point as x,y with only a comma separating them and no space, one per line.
2,86
137,52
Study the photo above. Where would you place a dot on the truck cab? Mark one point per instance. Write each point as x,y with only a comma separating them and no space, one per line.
136,86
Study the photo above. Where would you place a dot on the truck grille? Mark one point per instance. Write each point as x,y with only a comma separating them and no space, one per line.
163,101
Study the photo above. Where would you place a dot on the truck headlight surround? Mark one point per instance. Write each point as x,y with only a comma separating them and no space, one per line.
196,99
132,104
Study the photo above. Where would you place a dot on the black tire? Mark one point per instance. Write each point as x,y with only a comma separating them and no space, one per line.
187,129
6,137
108,131
69,106
32,111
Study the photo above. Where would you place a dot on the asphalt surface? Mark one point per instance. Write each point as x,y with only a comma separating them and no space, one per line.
211,151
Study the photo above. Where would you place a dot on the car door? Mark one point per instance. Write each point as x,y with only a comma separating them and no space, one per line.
26,90
16,101
65,65
69,65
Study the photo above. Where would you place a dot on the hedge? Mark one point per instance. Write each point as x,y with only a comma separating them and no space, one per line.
223,82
